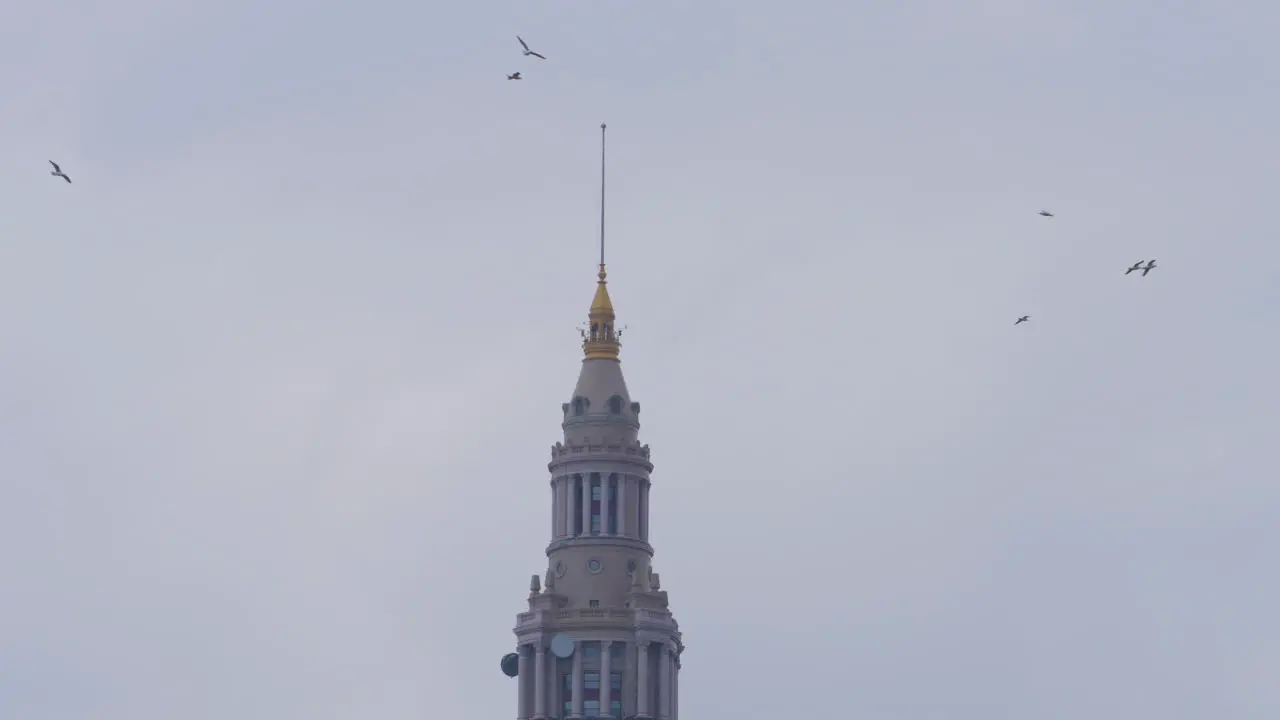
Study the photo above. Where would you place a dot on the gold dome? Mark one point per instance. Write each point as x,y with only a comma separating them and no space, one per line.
601,339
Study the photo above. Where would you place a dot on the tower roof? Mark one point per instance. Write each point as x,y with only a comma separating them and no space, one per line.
601,340
601,304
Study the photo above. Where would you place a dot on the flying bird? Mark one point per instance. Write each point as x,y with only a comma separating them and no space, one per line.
1022,319
57,171
1151,265
1046,213
514,76
1135,266
527,51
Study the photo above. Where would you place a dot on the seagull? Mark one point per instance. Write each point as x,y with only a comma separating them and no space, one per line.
57,171
1151,265
1135,266
514,76
527,51
1046,213
1022,319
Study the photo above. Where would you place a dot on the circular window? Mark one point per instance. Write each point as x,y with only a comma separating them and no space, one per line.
594,566
561,569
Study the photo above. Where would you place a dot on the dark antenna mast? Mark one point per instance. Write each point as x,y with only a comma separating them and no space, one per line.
602,128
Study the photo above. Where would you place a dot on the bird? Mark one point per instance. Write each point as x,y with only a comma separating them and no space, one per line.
1022,319
1135,266
57,171
1046,213
514,76
527,51
1151,265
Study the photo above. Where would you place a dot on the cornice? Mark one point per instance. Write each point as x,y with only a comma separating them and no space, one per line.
600,541
633,453
600,419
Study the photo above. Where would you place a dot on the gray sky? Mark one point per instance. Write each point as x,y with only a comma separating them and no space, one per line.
280,370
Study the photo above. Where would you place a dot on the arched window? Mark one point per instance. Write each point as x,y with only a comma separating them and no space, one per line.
615,405
579,406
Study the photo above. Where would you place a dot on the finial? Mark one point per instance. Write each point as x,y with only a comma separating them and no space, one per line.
601,339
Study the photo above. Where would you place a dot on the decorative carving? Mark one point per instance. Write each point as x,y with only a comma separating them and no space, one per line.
535,587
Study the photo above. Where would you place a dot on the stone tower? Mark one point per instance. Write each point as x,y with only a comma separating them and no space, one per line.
600,591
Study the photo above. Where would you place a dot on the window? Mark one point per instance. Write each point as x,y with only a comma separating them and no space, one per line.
591,708
615,680
591,681
579,406
595,491
568,687
568,708
616,707
591,651
593,603
615,405
595,523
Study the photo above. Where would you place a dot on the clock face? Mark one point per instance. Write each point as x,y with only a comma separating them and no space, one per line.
594,566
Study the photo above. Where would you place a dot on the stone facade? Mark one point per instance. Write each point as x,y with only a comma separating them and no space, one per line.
599,588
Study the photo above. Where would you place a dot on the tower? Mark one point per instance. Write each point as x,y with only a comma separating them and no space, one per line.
598,640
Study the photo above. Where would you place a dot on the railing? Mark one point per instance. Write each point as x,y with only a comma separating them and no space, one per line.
598,614
593,613
561,450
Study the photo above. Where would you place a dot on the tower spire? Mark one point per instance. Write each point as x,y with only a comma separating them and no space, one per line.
601,339
599,558
602,145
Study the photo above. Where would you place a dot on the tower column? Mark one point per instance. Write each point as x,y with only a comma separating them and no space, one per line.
622,504
577,679
664,683
606,493
522,680
606,678
675,687
642,679
557,689
555,508
643,527
581,504
568,505
540,683
562,512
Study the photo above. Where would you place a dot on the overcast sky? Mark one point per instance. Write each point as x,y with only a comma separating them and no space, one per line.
279,372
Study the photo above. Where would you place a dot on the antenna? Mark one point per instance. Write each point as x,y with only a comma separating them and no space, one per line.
602,128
